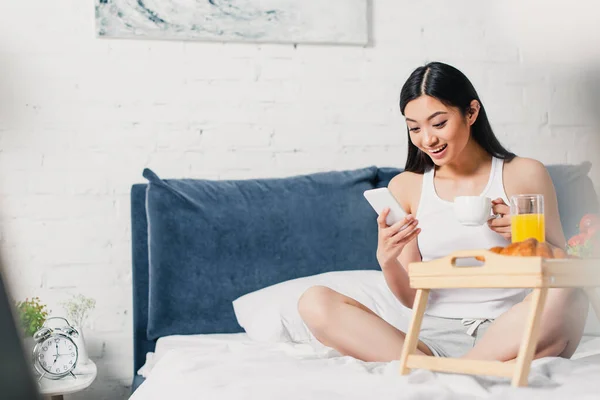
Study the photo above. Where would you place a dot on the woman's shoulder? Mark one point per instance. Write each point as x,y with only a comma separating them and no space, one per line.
525,168
522,173
406,188
405,179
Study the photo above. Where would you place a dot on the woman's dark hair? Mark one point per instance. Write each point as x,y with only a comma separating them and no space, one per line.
453,88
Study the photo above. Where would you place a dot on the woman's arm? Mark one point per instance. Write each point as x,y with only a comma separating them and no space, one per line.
402,186
528,176
396,275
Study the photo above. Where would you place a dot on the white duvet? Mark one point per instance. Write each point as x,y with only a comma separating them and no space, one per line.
235,367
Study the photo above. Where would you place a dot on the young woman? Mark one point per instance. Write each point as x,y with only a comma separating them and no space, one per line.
452,151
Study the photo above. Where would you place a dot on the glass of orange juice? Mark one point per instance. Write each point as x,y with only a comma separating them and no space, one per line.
527,217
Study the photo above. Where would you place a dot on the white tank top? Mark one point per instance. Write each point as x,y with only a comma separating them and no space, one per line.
441,234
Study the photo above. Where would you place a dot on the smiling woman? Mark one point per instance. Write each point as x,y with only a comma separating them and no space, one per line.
452,151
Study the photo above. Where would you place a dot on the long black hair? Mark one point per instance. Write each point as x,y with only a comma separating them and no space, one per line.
453,88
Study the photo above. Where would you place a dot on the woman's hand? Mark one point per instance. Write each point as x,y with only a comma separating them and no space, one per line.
501,225
391,239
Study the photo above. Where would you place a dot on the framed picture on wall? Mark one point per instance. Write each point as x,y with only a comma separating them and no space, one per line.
259,21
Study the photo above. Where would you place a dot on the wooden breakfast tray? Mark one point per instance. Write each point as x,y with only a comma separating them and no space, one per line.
500,271
497,271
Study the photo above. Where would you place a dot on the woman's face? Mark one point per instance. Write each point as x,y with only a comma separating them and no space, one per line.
436,129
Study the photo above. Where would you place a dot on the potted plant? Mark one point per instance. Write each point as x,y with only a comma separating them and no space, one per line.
77,309
32,314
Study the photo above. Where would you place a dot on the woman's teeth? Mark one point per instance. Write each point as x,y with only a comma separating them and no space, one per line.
439,149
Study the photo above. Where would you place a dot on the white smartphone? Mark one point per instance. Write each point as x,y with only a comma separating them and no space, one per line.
381,199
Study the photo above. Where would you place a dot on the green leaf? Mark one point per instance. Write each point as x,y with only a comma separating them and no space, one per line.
32,314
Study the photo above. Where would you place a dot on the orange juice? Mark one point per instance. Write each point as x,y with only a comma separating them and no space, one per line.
525,226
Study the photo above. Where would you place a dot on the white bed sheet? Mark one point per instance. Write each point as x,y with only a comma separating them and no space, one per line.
232,366
212,342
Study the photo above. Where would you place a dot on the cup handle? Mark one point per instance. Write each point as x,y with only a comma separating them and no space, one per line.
494,216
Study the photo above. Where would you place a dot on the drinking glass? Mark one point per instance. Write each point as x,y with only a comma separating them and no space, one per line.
527,217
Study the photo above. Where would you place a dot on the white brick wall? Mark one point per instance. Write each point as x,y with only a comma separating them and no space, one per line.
81,117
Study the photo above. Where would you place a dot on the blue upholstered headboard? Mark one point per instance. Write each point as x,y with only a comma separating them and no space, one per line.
139,252
575,193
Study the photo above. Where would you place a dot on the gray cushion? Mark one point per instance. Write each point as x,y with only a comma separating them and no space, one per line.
575,194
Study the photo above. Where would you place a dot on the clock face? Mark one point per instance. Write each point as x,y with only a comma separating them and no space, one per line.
57,355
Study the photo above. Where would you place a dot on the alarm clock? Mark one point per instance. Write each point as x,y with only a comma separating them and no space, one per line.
55,353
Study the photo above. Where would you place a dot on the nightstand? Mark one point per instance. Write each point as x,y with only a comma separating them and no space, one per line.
55,389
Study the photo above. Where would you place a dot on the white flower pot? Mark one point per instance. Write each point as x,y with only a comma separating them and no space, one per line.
81,349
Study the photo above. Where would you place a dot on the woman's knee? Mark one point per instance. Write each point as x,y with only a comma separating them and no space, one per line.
316,304
563,325
552,346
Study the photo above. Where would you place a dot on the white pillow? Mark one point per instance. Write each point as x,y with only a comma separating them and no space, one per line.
271,314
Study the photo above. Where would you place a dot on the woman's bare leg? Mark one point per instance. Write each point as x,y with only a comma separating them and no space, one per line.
563,321
350,327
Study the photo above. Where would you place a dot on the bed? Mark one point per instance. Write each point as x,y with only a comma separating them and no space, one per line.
214,307
233,366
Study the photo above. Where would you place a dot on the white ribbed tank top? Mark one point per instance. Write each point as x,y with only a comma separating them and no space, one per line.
441,234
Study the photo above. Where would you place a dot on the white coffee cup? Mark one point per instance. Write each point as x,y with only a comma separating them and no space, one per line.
473,210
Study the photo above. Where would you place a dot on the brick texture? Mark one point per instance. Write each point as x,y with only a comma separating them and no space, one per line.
80,117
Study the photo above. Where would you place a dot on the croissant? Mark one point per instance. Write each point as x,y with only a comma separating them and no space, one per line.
530,248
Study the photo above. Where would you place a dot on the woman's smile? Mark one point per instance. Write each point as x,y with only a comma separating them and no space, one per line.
437,152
